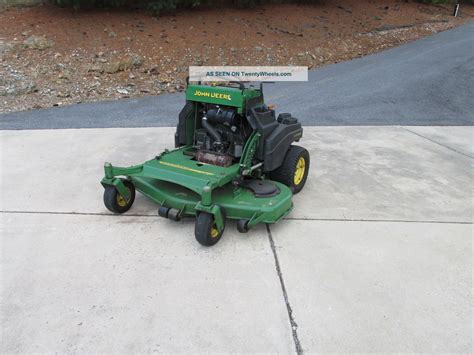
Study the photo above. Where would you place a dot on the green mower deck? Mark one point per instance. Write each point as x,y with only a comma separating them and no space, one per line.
175,180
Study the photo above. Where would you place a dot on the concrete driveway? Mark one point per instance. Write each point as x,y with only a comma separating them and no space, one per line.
377,255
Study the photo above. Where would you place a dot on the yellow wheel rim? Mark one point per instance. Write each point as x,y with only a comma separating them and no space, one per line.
121,201
214,232
300,170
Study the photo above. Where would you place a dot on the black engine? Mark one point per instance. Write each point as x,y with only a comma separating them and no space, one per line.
218,134
222,137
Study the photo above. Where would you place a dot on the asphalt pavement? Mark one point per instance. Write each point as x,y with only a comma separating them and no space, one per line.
423,83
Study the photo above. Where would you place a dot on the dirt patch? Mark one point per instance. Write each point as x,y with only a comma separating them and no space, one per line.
51,56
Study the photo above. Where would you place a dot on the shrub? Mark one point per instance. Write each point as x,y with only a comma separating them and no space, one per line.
158,6
154,5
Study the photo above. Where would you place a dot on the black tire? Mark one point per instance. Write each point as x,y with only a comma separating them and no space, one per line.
290,173
243,225
115,202
205,229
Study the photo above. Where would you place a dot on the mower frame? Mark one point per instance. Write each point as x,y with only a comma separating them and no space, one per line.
258,188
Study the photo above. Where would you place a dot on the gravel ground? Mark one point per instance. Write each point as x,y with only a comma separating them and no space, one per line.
423,83
55,57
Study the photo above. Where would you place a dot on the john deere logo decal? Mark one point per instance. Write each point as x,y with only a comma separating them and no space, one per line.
213,95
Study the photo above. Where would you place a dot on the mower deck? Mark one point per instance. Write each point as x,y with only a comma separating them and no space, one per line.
238,202
175,180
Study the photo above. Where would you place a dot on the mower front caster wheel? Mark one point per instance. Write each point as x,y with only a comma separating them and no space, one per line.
206,231
115,202
243,225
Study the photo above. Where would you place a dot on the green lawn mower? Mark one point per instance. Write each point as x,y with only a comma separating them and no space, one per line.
233,158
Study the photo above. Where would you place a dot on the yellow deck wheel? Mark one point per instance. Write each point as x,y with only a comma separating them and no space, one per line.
121,201
115,202
214,232
205,229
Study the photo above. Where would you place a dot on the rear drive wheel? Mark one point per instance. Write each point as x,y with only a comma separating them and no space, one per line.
115,202
293,172
205,229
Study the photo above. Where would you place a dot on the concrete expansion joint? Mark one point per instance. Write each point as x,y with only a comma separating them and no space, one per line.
293,324
107,214
438,143
71,213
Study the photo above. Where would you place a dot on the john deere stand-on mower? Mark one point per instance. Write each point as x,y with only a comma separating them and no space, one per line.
232,159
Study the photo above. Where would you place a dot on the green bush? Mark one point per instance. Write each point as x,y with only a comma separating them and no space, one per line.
170,5
158,6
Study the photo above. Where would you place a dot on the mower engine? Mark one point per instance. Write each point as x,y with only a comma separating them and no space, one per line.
222,137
